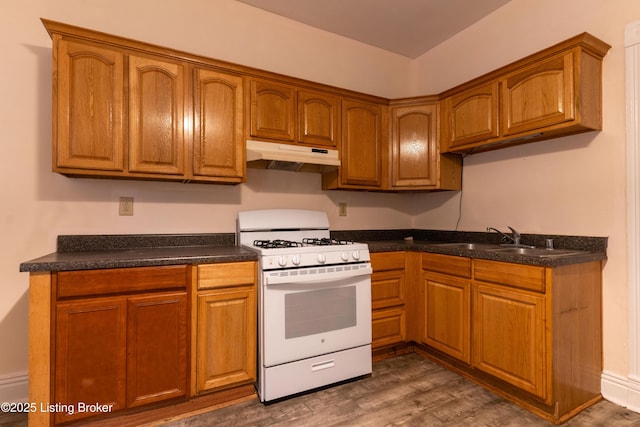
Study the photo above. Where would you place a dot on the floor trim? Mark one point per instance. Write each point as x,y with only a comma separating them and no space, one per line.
14,387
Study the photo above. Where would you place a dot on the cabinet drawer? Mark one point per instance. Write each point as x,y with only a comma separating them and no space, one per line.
382,261
118,280
388,327
387,289
226,274
447,264
529,277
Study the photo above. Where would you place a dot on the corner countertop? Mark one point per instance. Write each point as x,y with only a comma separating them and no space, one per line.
89,252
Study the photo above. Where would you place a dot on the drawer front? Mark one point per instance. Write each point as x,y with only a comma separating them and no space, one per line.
531,277
226,274
387,289
388,327
383,261
447,264
118,280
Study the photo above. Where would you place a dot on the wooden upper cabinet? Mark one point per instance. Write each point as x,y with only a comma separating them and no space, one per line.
156,116
471,116
88,107
552,93
414,146
318,119
218,145
539,96
361,150
272,110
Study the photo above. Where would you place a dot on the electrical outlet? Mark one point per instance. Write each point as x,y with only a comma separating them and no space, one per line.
126,206
342,209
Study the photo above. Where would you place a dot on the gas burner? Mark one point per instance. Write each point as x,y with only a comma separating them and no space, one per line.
325,241
278,243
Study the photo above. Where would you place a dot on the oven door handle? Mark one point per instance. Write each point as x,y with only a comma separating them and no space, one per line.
364,270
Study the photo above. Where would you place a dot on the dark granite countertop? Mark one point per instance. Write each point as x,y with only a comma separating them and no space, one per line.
87,252
588,248
118,251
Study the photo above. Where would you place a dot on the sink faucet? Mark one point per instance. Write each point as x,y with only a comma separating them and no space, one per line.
514,238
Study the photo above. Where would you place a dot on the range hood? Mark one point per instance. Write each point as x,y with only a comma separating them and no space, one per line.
271,155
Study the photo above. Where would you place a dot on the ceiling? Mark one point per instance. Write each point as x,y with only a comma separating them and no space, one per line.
406,27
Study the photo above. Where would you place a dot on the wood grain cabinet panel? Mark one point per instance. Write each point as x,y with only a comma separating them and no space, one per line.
388,297
318,119
218,145
224,326
471,116
509,336
226,339
157,348
272,110
90,354
88,107
524,109
124,350
156,116
447,315
361,148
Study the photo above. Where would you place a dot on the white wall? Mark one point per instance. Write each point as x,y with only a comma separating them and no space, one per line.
573,185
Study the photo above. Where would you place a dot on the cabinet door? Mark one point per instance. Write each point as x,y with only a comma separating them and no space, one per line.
538,96
88,107
156,116
361,153
157,348
90,354
509,339
218,145
448,315
226,334
318,119
414,150
471,116
273,111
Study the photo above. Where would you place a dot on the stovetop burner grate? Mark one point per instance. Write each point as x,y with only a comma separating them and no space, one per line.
324,241
278,243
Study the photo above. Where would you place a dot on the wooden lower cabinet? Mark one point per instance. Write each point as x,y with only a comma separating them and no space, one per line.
447,310
90,354
225,326
157,348
388,289
509,336
530,333
122,351
226,352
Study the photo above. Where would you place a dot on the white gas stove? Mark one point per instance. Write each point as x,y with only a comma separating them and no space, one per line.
314,312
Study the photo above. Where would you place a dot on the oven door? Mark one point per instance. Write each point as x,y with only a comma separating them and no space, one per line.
314,312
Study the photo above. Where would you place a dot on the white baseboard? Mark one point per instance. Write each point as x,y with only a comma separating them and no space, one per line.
14,387
623,391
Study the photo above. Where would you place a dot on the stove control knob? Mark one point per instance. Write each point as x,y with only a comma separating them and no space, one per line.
321,258
356,255
344,256
282,261
295,260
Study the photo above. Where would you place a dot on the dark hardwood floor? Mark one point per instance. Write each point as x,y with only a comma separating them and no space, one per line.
404,391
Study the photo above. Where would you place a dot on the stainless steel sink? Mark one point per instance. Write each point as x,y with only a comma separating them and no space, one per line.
469,246
538,252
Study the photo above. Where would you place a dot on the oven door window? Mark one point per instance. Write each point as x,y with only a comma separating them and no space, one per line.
301,320
322,310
